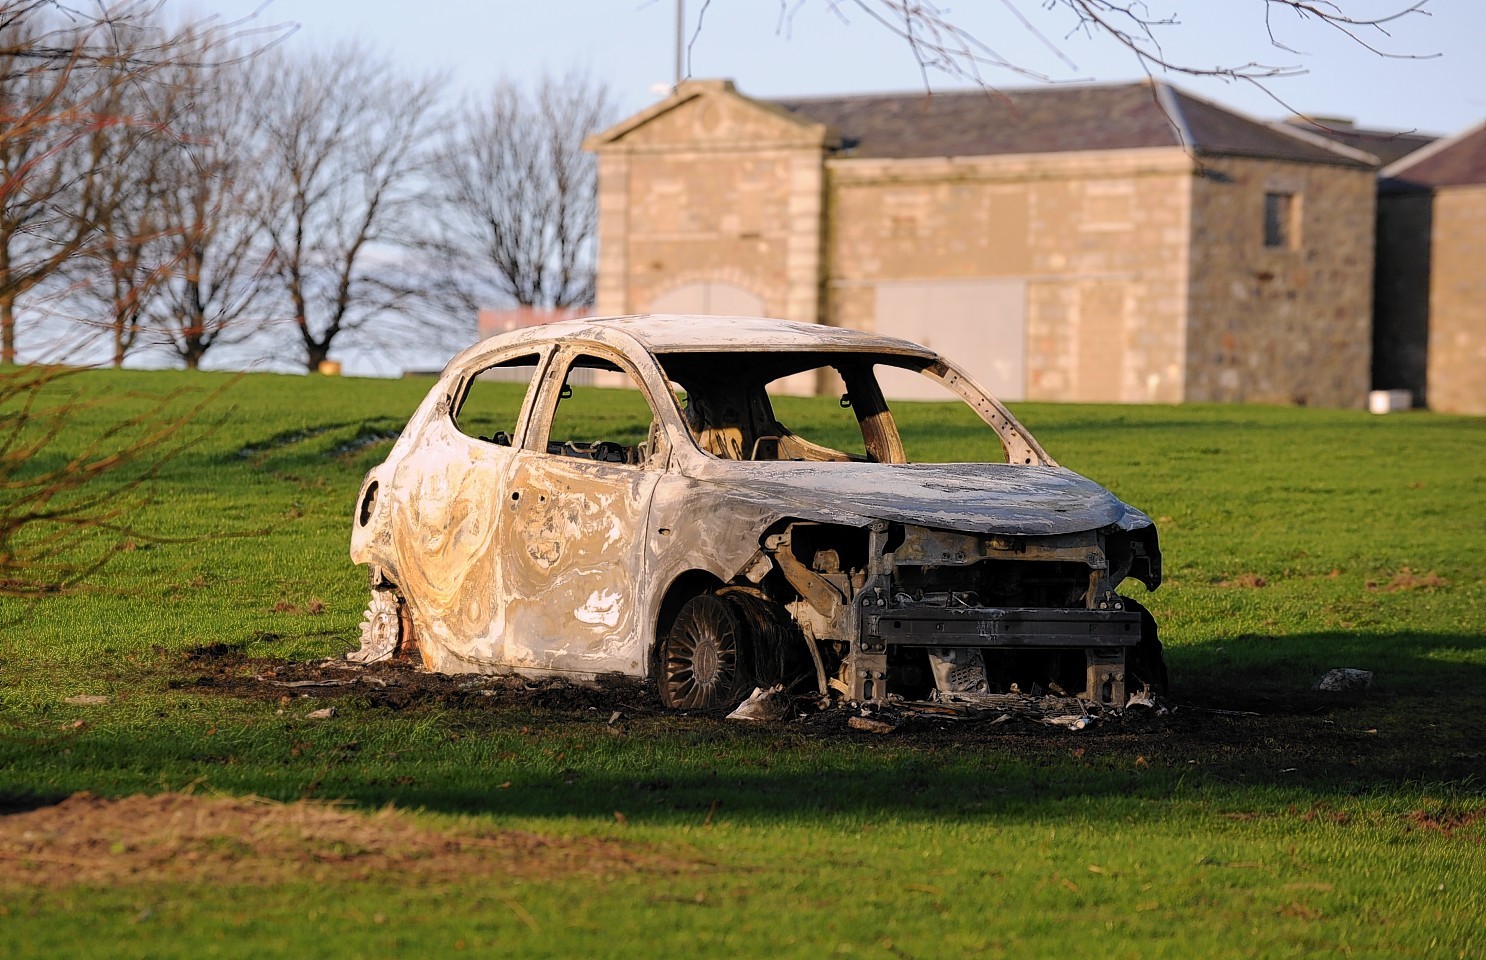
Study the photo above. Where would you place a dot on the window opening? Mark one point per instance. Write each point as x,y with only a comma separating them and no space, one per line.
608,423
492,400
1279,221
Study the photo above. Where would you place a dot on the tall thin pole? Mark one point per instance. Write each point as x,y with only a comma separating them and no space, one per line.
680,31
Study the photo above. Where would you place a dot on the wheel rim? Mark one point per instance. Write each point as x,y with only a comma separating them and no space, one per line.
381,629
701,655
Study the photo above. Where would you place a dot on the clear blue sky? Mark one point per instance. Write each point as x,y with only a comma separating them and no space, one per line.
630,44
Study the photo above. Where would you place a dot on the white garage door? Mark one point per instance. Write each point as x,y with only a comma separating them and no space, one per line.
979,324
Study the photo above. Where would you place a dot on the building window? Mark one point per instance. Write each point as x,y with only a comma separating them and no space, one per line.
1281,229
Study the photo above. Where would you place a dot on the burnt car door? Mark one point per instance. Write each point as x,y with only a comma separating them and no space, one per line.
448,523
578,497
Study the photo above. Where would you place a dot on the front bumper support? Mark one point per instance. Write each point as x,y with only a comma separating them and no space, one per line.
933,626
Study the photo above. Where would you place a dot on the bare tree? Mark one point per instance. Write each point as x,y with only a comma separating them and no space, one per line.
48,202
133,254
941,42
219,274
345,141
68,500
518,194
96,103
135,244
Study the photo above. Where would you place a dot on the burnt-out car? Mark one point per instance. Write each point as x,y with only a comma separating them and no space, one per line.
719,503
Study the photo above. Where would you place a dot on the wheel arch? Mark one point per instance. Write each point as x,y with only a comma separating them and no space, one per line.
684,586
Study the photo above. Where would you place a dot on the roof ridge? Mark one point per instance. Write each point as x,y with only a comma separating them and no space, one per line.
1303,122
1278,127
965,91
1168,99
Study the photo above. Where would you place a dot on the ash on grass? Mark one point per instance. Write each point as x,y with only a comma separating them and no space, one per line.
398,685
618,701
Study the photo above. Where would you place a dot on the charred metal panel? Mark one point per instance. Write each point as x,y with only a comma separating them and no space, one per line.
575,578
696,526
443,514
1134,551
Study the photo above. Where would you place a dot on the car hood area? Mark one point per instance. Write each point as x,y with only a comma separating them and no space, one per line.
967,497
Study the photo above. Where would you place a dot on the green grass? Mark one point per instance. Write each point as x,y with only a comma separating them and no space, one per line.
1290,835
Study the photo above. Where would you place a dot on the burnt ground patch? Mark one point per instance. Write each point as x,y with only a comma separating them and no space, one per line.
399,685
1353,740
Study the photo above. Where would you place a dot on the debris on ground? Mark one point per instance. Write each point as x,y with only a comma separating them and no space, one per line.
400,685
1344,680
618,701
324,713
987,705
1070,721
86,700
1056,709
871,725
1142,699
294,684
762,704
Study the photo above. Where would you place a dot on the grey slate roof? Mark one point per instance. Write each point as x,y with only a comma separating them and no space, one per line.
970,123
1387,145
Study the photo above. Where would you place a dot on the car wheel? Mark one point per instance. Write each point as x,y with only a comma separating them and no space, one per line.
387,631
700,667
381,629
1147,663
773,650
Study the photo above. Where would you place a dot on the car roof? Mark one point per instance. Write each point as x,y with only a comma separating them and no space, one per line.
681,333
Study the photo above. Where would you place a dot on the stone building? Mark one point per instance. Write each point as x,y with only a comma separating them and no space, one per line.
1430,336
1127,243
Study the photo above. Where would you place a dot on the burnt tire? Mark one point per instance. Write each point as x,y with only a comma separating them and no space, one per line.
1147,664
773,651
700,658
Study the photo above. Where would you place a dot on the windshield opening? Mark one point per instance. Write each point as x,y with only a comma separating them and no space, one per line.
827,407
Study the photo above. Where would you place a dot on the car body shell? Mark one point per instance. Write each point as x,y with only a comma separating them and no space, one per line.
513,555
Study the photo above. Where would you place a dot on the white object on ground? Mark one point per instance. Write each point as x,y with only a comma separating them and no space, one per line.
761,705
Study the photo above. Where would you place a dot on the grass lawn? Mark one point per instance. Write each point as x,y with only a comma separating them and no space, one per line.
1295,541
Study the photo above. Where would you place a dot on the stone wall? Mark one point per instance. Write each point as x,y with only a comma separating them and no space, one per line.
1286,324
1457,301
711,188
1100,240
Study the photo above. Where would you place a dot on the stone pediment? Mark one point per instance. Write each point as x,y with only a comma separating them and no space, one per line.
710,115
